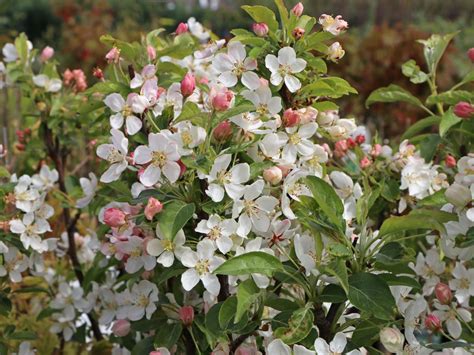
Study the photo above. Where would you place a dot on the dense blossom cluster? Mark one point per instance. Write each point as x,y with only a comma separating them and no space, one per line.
242,192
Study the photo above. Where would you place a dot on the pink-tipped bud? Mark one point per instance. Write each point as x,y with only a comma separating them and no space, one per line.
46,53
450,161
98,73
152,208
376,150
433,323
298,33
223,131
285,169
340,148
273,175
360,139
182,167
470,54
222,100
114,217
298,9
443,293
186,315
365,162
182,28
151,52
121,327
291,118
113,56
464,109
188,84
351,143
260,29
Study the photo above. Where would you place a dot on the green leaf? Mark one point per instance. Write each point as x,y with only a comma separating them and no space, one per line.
411,70
434,48
247,294
257,262
417,220
327,199
338,269
174,217
227,311
237,110
167,336
5,304
144,346
437,199
419,126
371,294
391,253
21,45
392,93
23,335
333,293
325,106
428,146
365,203
128,51
339,250
262,14
299,326
448,120
282,10
467,78
396,280
450,97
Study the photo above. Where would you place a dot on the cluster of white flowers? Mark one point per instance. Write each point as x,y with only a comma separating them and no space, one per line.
30,198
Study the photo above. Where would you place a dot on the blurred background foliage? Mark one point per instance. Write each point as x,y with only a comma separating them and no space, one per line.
382,36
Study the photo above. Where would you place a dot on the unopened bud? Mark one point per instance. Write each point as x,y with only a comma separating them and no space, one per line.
432,323
298,9
458,195
392,339
298,33
464,109
188,84
151,52
47,53
152,208
260,29
450,161
186,315
182,28
443,293
470,54
114,217
223,131
291,118
121,327
273,175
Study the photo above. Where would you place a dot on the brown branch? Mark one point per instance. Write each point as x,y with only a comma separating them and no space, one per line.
59,158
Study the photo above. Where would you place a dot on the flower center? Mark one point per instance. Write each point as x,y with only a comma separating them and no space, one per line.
284,69
186,138
126,111
202,267
223,177
158,159
239,69
215,233
142,301
295,139
167,245
114,156
262,109
250,207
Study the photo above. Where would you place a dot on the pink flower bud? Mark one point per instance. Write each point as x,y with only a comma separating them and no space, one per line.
152,207
351,143
297,10
182,28
114,217
182,168
450,161
340,148
285,169
273,175
365,162
376,150
222,100
291,118
360,139
46,53
113,56
151,52
470,54
260,29
298,33
433,323
223,131
443,293
188,84
98,73
186,314
121,327
463,109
